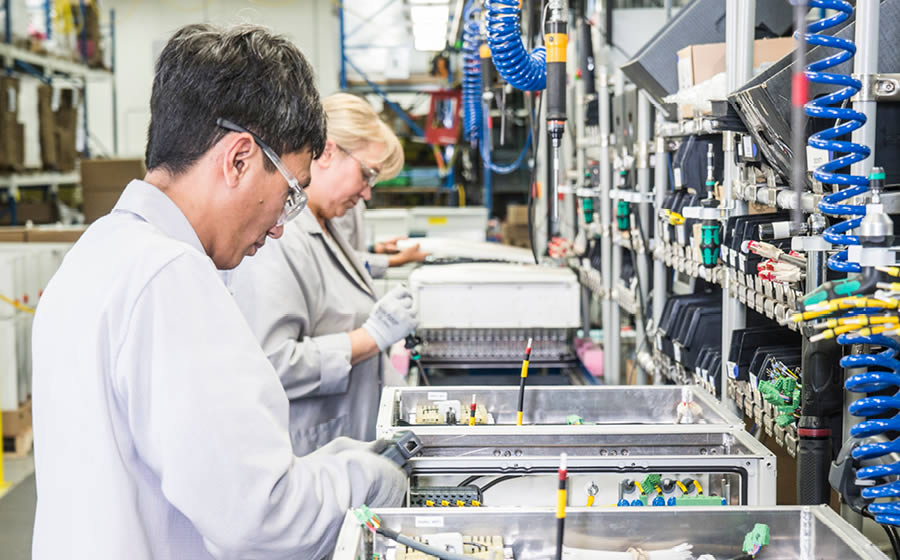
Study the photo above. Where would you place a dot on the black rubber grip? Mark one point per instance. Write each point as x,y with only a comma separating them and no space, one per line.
813,465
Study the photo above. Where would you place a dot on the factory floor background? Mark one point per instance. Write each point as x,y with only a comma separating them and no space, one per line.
17,508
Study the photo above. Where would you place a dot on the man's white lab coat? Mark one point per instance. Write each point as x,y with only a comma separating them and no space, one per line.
161,429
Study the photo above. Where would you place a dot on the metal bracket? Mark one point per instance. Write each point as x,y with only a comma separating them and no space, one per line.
813,243
878,87
701,213
872,256
643,155
631,196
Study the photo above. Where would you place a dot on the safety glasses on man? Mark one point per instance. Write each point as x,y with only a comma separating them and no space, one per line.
296,197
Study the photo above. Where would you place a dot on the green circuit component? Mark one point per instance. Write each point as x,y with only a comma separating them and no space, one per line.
784,420
788,385
699,501
756,539
574,420
650,482
770,392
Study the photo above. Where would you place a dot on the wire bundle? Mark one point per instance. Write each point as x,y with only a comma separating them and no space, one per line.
372,522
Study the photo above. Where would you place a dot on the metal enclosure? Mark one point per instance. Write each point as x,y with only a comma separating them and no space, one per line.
732,465
796,532
605,410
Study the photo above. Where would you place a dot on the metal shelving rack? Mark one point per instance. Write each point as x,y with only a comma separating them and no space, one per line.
48,68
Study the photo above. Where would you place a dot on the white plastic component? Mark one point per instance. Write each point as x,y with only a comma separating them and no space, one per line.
871,256
387,223
464,248
489,295
701,213
458,223
814,243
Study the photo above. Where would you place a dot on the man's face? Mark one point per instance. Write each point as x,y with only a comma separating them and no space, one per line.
258,204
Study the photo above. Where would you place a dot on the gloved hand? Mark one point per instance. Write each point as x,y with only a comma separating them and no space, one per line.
390,481
392,318
340,444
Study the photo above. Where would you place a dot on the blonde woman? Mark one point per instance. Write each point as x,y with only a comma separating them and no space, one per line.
309,299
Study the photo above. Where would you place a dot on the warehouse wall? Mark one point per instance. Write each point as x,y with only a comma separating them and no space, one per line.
142,28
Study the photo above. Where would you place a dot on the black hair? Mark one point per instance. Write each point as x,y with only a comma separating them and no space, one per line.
245,74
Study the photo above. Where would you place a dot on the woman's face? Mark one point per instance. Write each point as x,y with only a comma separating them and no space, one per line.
342,177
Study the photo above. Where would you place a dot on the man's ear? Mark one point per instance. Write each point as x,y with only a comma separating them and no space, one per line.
327,158
239,149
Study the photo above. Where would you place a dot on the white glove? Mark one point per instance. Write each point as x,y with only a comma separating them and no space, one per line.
392,319
388,488
341,444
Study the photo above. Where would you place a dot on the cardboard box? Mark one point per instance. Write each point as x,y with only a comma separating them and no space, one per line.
698,63
12,234
16,422
517,214
110,174
10,142
102,182
54,234
47,127
66,128
98,204
515,235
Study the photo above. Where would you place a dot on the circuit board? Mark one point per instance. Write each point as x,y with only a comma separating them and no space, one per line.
448,413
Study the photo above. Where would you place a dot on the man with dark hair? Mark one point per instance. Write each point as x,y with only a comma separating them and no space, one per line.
161,429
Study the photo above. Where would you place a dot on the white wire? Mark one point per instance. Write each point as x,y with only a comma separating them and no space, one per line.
680,552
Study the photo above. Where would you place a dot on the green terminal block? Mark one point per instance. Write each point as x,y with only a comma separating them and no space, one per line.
623,216
699,501
574,420
650,482
788,386
756,539
784,420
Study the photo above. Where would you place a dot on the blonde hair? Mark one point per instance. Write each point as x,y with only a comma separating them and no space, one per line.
353,124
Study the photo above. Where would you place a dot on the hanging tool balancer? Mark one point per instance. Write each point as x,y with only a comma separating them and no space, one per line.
556,41
710,229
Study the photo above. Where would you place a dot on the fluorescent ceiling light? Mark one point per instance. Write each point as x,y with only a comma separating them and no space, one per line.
432,42
423,14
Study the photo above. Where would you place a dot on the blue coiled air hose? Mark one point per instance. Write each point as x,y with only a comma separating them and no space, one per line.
887,513
828,107
523,71
473,119
471,82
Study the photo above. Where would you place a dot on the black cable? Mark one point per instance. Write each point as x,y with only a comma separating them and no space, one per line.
536,140
422,372
410,543
895,542
468,481
496,481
